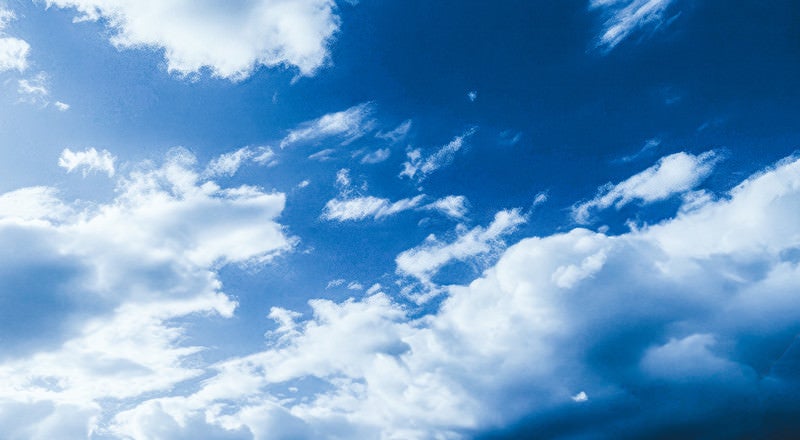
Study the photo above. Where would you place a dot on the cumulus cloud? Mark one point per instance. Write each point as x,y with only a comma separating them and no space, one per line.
674,174
418,167
705,301
230,39
573,317
13,51
114,277
350,124
87,161
423,261
624,17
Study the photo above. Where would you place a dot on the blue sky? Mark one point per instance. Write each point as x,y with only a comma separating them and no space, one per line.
282,219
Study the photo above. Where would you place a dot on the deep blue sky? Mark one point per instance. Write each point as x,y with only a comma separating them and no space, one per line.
524,114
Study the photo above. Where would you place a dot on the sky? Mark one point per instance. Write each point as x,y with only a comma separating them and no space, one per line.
339,219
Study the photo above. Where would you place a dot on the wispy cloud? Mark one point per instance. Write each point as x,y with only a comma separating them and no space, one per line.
350,124
452,206
624,17
360,208
673,174
397,134
424,261
376,156
419,167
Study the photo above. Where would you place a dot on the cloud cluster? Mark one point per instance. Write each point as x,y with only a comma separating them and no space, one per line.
674,174
109,280
698,310
231,39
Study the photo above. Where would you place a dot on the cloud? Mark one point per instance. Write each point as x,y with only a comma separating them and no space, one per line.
350,124
624,17
37,202
472,95
694,310
13,54
34,90
710,293
451,206
673,174
94,294
88,160
231,40
397,134
360,208
228,164
61,106
13,51
322,155
376,156
419,168
422,262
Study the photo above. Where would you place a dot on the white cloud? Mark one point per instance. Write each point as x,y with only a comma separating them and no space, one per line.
696,302
228,164
451,206
265,156
673,174
38,202
397,134
472,95
13,54
623,17
580,397
419,168
422,262
13,51
87,160
230,39
61,106
516,342
322,155
34,90
115,277
350,124
360,208
376,156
